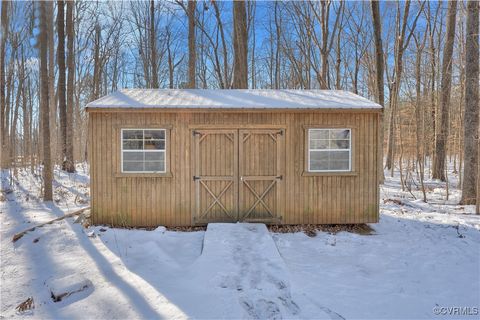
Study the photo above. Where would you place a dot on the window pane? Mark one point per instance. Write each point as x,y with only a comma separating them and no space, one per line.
132,134
132,144
154,145
318,134
154,134
134,141
133,156
339,155
318,144
329,160
132,166
339,165
339,144
155,166
155,156
339,134
318,160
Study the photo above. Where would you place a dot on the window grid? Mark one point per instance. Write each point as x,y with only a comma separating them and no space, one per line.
328,150
143,150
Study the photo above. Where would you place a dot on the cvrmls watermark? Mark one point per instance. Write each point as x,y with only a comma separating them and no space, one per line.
456,311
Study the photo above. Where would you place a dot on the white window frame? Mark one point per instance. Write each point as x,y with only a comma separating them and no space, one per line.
143,150
324,150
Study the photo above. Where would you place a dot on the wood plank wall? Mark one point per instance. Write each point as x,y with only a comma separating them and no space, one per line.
126,200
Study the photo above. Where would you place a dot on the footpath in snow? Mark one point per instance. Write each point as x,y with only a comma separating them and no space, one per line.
244,259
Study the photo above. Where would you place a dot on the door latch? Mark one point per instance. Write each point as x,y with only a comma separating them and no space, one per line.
195,178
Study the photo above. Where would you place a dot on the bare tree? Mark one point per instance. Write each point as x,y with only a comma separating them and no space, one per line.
419,114
432,29
276,61
379,70
51,79
96,64
377,28
471,112
68,164
153,46
3,113
225,83
401,44
192,49
240,42
327,36
442,132
44,102
61,86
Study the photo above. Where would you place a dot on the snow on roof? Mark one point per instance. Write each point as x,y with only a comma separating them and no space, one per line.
233,99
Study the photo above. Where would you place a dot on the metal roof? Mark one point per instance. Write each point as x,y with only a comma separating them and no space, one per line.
233,99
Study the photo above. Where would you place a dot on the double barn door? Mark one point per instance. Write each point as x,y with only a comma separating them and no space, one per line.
238,175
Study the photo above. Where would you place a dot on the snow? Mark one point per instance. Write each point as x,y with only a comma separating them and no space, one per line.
419,257
61,288
233,99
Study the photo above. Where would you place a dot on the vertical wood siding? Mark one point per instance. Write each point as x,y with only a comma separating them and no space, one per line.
127,200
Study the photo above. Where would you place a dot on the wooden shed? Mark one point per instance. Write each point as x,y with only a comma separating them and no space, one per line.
190,157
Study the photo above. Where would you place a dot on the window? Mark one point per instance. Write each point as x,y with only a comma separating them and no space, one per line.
329,150
143,150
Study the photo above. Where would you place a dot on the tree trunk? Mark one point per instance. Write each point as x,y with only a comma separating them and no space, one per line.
471,112
477,210
401,45
3,115
398,69
96,64
62,104
68,164
26,118
377,27
240,42
277,47
170,61
153,46
419,116
51,80
225,83
192,51
442,132
44,102
433,107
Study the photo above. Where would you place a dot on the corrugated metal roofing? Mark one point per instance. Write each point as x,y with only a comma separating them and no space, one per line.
233,99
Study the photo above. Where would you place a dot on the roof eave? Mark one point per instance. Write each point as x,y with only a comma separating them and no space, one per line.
232,110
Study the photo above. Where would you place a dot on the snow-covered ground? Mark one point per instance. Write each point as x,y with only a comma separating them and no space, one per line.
421,259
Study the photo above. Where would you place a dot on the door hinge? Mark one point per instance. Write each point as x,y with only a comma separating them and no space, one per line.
195,178
279,177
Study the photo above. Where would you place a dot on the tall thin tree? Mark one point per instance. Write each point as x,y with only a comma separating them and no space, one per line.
192,49
442,125
68,164
401,44
51,78
3,115
471,111
240,42
61,86
153,46
379,64
44,101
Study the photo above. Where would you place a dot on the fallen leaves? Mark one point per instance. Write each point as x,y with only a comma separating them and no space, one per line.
26,305
311,229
